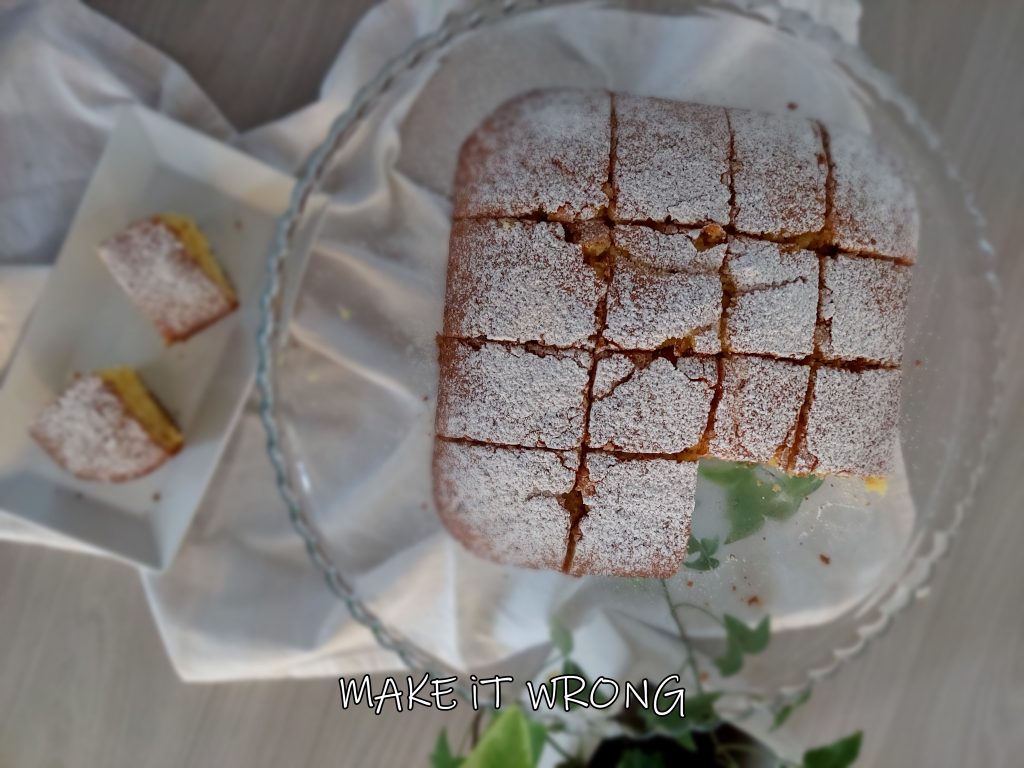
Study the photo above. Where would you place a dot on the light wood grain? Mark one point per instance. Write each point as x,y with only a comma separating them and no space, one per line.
85,682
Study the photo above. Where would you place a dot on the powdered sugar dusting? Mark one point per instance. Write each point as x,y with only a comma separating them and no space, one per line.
519,281
852,423
773,309
507,395
757,414
89,432
672,161
545,152
152,266
874,208
864,309
503,503
779,172
639,517
651,406
648,309
669,252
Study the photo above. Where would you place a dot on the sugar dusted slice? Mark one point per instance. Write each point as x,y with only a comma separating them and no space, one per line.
510,395
505,503
664,292
638,517
107,427
543,153
874,209
852,423
757,414
774,304
519,281
671,162
644,404
672,251
779,173
166,267
649,310
864,309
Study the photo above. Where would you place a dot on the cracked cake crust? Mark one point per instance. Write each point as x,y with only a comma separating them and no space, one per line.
714,298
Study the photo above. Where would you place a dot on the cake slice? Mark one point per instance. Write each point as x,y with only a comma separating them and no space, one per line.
169,272
107,427
494,292
757,415
637,520
772,309
506,503
646,404
663,293
512,396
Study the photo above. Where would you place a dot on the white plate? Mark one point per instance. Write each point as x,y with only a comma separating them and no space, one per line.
83,321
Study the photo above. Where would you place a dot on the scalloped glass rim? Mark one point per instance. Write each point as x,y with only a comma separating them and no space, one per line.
878,612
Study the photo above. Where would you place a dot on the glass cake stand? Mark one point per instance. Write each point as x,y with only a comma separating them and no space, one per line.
347,383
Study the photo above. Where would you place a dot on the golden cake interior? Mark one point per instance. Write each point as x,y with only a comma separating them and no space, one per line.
198,248
143,407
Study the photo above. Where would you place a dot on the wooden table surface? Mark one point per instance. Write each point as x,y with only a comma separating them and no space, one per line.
84,680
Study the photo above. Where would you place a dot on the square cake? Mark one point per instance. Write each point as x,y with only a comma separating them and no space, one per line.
636,283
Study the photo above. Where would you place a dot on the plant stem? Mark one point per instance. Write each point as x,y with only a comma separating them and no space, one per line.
702,609
475,728
559,748
747,749
691,657
722,756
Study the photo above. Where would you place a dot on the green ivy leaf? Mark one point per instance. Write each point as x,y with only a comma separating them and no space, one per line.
506,742
840,754
700,709
561,637
784,712
442,756
741,641
749,640
634,758
686,741
730,662
755,493
702,549
538,735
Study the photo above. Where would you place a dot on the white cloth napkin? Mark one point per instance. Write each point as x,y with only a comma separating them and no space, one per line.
241,600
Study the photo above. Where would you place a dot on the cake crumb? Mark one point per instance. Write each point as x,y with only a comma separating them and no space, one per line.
753,600
825,559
